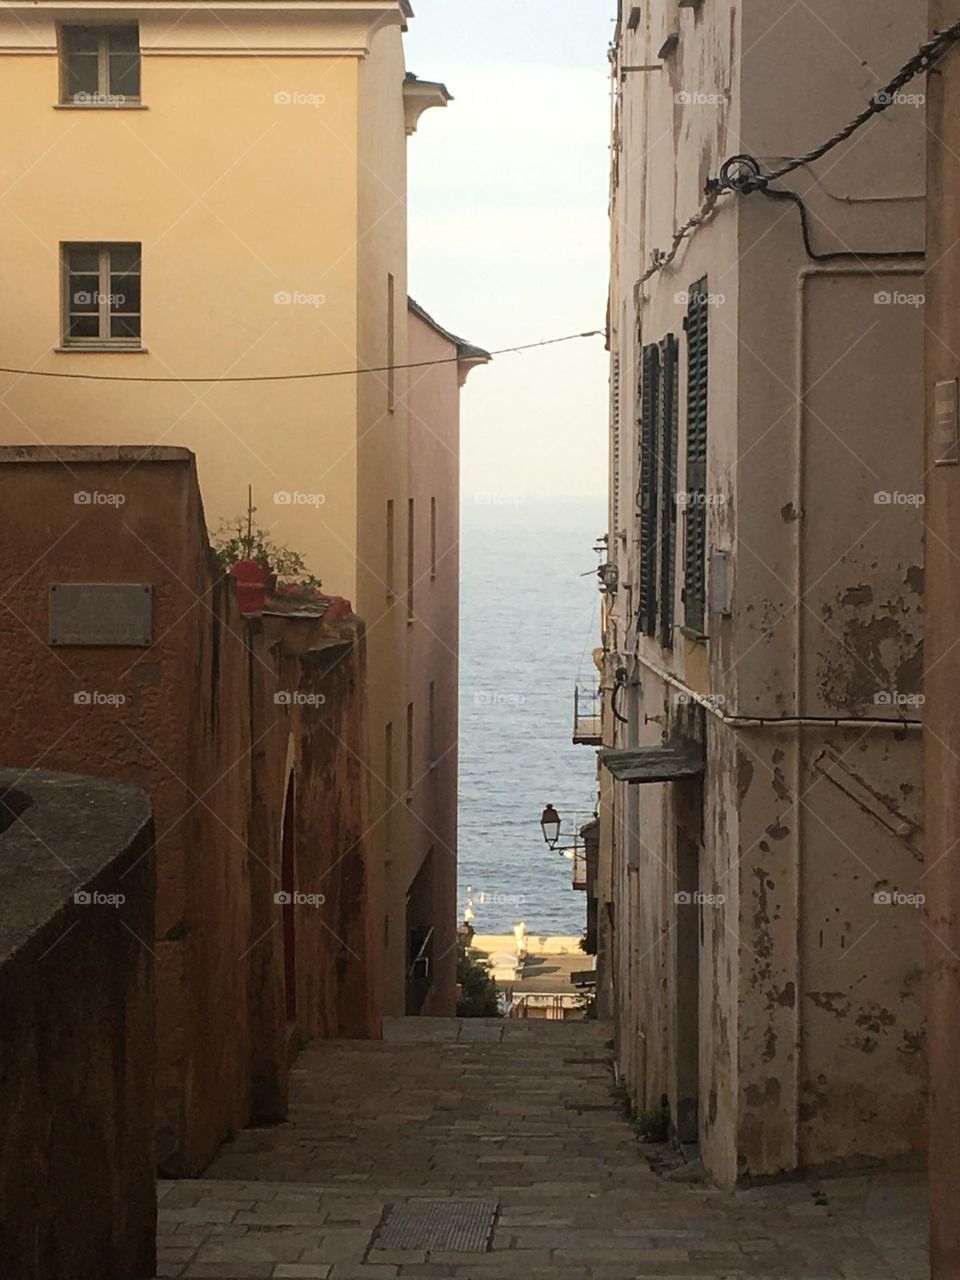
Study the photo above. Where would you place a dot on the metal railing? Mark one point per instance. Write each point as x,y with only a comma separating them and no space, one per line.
579,868
588,714
420,975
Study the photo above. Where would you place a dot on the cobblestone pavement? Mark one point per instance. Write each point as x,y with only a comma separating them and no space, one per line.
520,1114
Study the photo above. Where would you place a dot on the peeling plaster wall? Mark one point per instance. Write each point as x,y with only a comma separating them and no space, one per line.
720,1048
942,684
809,987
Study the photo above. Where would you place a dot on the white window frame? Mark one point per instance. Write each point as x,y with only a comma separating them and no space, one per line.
104,96
103,339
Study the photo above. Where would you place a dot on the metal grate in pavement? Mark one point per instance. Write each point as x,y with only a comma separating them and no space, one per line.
454,1226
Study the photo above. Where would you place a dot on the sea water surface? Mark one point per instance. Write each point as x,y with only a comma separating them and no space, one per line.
529,624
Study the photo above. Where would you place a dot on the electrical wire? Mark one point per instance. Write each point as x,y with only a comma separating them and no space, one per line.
299,377
929,53
848,255
742,174
662,259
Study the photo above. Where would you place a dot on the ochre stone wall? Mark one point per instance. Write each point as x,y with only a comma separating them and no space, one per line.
197,719
77,1045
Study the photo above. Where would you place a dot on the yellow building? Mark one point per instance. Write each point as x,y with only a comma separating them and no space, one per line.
195,194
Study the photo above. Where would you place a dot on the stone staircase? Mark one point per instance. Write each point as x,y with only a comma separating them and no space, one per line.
504,1140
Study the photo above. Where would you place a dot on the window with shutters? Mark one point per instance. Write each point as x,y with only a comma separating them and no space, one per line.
615,451
648,470
657,497
695,506
667,447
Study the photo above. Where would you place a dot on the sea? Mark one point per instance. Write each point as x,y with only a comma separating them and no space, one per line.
530,620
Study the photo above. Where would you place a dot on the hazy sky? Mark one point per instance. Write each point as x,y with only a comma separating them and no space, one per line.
508,228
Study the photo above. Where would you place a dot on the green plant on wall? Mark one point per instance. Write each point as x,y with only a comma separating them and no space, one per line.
241,538
478,997
653,1125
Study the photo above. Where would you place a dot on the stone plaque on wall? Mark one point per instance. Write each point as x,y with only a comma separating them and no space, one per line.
101,613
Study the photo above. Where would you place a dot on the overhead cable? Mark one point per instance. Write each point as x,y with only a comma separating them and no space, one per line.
299,377
741,175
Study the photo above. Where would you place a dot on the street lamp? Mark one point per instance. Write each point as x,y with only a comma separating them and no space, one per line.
550,825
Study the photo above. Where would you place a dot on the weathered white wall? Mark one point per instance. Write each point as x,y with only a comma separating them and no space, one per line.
810,1007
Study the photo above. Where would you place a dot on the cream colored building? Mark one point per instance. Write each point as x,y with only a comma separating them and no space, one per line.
219,191
762,851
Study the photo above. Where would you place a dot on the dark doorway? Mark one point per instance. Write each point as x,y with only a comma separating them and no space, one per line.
688,910
288,862
420,938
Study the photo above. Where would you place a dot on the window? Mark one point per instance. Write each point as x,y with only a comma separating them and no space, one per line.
409,796
649,485
615,451
391,344
101,295
411,548
433,537
658,487
432,724
388,786
695,507
100,65
391,551
669,386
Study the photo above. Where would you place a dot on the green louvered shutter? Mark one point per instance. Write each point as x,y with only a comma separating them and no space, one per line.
695,553
669,388
614,540
649,475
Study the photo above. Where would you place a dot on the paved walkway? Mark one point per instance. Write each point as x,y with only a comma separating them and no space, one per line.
519,1114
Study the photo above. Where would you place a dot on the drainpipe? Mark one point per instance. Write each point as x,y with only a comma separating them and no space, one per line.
772,722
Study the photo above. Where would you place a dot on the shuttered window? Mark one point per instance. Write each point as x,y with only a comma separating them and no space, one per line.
649,468
695,540
615,453
667,447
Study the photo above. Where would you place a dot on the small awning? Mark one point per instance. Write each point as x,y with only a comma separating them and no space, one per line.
668,762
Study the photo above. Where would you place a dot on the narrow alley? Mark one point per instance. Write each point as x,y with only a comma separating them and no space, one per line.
478,1148
480,640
